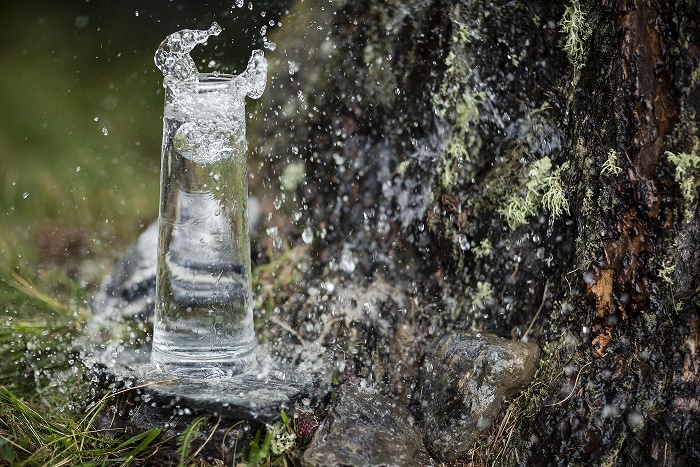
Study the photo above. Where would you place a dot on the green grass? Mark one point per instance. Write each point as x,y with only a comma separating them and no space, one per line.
71,199
47,405
28,437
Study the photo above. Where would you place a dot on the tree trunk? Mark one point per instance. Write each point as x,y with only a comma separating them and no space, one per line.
520,168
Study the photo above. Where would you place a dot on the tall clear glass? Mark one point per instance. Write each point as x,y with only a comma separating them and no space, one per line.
204,316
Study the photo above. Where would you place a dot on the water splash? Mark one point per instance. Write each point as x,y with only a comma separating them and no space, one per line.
173,55
173,59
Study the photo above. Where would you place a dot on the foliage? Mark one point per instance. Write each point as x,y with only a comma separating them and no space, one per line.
610,166
459,104
43,414
543,189
483,249
273,444
186,438
686,176
576,32
38,333
29,437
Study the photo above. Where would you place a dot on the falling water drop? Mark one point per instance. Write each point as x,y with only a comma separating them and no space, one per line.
307,235
463,242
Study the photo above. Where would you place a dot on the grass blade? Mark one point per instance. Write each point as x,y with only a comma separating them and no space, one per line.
185,440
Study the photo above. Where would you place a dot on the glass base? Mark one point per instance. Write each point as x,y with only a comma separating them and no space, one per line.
260,393
205,363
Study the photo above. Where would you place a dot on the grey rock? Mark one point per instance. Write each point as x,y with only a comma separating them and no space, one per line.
365,428
466,378
129,291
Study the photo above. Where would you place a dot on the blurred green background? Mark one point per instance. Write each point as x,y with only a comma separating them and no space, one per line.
80,119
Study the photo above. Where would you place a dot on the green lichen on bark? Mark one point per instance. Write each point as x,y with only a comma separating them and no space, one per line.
576,30
610,166
543,190
686,175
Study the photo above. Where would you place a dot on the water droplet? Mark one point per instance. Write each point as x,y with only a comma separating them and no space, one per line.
307,235
239,3
105,131
136,13
81,21
463,242
347,261
77,169
25,195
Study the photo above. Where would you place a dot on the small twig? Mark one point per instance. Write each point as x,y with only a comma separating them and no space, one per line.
287,328
566,277
326,330
534,318
572,389
223,440
213,430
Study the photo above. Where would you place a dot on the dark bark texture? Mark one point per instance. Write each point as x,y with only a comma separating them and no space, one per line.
523,168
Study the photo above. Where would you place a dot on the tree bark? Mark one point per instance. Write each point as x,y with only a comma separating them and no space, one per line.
520,168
